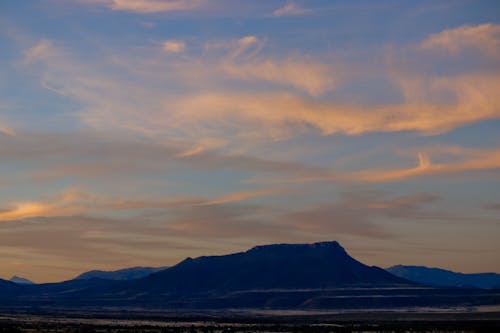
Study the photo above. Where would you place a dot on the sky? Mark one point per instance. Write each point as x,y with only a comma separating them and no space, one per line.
141,132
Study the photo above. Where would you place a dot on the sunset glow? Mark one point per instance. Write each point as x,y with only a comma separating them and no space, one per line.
141,132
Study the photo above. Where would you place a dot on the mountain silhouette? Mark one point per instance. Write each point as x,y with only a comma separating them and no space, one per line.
283,276
445,278
131,273
20,280
283,266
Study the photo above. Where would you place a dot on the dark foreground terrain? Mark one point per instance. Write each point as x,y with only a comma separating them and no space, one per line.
247,322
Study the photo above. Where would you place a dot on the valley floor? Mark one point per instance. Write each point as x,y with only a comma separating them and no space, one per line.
248,322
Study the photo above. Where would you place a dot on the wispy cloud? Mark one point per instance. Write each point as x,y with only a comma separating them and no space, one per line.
475,99
244,61
216,115
77,202
453,160
355,213
314,78
291,9
484,37
149,6
41,50
243,195
464,161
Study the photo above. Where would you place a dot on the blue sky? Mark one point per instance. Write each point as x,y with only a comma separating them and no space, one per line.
139,132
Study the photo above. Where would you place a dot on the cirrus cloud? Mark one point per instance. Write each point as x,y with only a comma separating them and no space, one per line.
484,37
149,6
291,9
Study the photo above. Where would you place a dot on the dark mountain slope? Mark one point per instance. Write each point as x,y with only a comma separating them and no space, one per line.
445,278
8,288
284,266
132,273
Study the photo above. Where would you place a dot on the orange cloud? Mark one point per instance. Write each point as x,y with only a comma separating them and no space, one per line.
457,160
485,37
75,202
470,160
244,62
174,46
275,115
314,78
6,130
221,112
24,210
202,146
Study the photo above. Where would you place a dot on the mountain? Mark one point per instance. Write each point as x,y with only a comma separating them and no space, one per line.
9,289
132,273
282,276
283,266
20,280
445,278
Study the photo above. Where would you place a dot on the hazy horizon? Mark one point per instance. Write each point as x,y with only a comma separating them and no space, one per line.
142,132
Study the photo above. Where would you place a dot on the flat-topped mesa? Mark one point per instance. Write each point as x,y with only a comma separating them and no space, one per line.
319,245
321,265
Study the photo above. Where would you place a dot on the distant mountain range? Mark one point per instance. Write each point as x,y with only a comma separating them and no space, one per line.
283,276
444,278
132,273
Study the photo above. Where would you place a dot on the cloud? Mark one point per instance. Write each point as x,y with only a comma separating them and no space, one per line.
77,202
247,46
149,6
235,46
470,160
42,50
483,37
314,78
291,9
243,61
96,157
23,210
220,115
6,130
233,115
242,196
355,213
451,160
246,41
174,46
74,202
278,115
222,220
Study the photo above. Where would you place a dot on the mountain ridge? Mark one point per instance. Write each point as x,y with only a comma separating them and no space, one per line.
277,276
435,276
277,266
129,273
